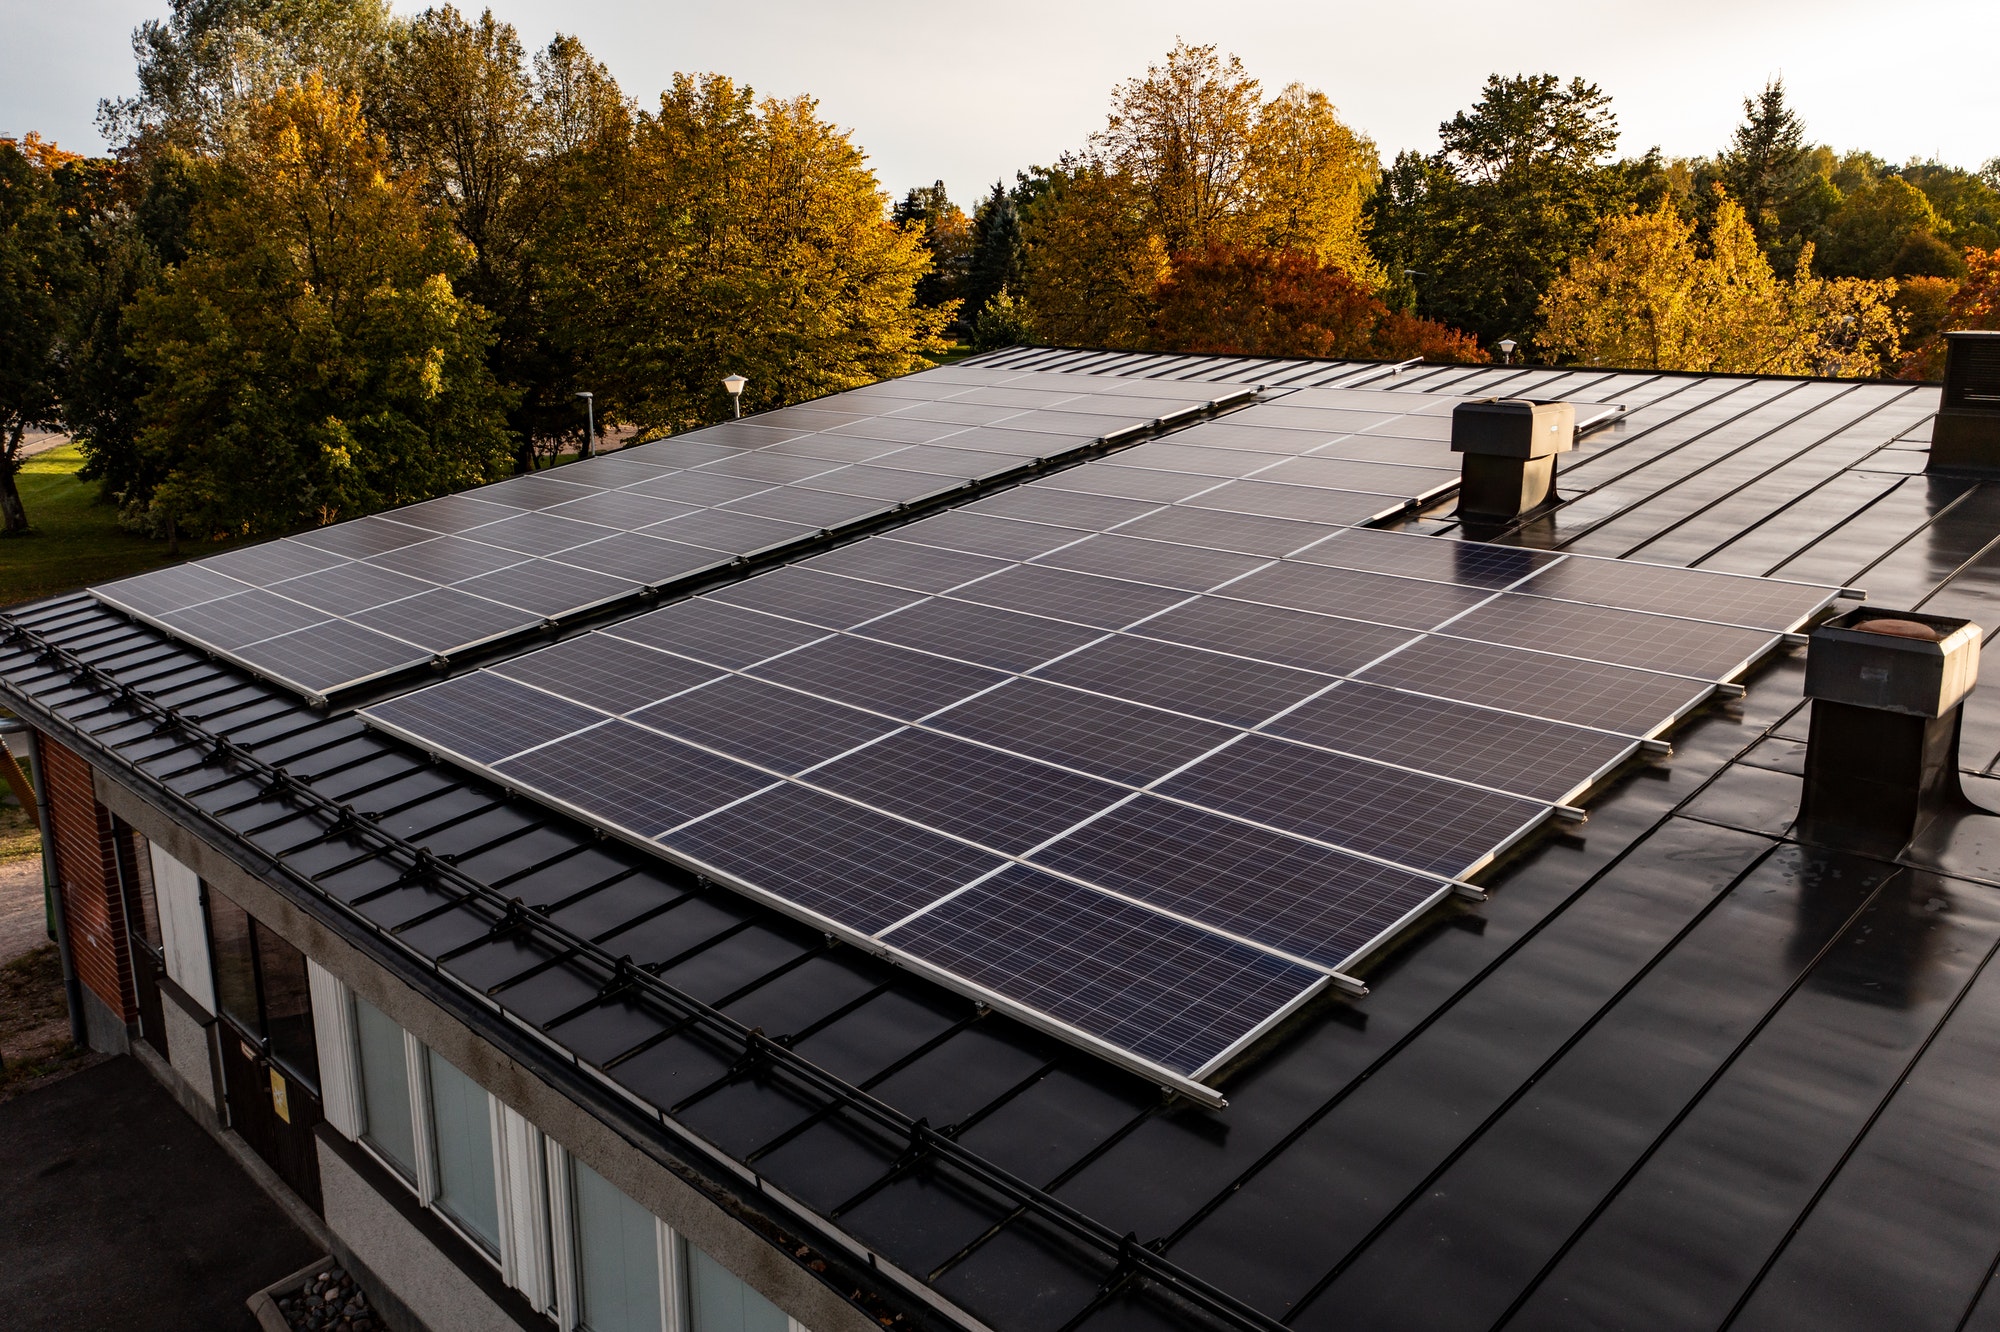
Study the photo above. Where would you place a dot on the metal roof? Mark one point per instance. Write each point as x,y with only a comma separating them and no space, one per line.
1678,1071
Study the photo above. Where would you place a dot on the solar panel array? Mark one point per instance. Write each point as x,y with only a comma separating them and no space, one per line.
1140,752
341,605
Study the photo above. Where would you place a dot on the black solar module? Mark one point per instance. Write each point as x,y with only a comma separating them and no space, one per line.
449,574
1141,770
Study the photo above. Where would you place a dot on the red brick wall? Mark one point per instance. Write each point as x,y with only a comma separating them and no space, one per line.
94,912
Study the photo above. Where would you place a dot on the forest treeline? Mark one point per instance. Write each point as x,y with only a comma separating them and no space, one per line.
342,260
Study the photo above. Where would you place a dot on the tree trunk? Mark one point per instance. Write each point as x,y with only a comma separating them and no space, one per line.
13,516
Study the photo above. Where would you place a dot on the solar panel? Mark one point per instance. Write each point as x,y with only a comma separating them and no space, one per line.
447,575
1144,771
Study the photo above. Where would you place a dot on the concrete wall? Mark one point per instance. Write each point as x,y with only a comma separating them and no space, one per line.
643,1171
395,1241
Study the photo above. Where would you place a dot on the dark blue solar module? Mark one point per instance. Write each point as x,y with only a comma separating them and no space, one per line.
1143,770
447,575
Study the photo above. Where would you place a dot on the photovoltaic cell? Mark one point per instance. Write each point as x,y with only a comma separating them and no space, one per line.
1409,818
483,717
1310,901
1543,760
635,779
852,865
563,542
1006,803
1063,673
1173,994
1615,698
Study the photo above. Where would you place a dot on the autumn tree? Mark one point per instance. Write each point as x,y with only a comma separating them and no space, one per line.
1261,302
1183,135
1092,258
1934,305
310,358
41,269
1648,296
1308,178
725,234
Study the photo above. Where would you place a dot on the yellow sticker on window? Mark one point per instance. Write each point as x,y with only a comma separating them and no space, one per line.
278,1101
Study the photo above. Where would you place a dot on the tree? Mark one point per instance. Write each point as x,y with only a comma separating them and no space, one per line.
731,235
1875,221
198,66
1308,178
1183,134
1512,196
1933,305
1092,259
310,359
40,271
948,238
1237,300
1764,165
997,264
1647,296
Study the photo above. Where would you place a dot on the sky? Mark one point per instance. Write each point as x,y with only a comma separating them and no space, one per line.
968,93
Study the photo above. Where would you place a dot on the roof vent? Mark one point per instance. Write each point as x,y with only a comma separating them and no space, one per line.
1882,753
1966,435
1509,448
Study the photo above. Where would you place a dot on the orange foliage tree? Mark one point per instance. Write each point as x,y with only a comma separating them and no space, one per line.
1974,304
1235,300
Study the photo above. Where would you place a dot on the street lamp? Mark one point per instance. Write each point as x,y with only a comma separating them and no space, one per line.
735,383
1507,346
589,421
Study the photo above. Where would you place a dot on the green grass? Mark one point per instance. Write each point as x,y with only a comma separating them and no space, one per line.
73,541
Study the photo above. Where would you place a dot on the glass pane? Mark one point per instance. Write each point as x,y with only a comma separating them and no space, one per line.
462,1136
618,1256
288,1014
235,972
385,1088
135,867
719,1302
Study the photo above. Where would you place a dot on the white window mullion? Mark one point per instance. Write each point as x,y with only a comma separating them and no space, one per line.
562,1230
420,1119
673,1280
333,1030
523,1186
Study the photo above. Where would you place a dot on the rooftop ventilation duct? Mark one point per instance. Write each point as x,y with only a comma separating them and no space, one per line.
1508,449
1882,752
1965,437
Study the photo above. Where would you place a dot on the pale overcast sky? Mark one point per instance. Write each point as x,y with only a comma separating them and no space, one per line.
970,91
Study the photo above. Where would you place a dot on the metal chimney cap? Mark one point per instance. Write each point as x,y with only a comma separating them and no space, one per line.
1891,670
1513,427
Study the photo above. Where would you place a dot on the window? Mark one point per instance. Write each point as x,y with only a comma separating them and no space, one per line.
462,1143
719,1301
261,987
617,1257
383,1071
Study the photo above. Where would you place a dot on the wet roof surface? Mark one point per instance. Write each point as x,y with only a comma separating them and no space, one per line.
1678,1071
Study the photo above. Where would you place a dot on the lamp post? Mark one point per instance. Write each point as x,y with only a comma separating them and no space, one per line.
735,383
589,422
1507,346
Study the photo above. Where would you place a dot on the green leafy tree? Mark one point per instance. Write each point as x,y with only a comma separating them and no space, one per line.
947,237
41,269
1877,221
1766,162
1512,196
310,360
998,260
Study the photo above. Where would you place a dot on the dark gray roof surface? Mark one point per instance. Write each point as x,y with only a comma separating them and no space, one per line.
1678,1070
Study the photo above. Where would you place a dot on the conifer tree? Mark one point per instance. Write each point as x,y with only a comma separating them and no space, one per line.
1765,160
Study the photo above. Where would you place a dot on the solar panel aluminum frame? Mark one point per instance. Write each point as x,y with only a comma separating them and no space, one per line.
1155,1073
725,565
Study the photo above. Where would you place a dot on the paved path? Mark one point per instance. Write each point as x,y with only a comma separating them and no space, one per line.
120,1212
41,441
23,913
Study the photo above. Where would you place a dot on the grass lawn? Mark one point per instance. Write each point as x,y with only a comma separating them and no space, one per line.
73,540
